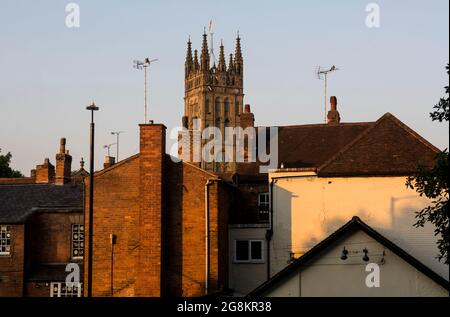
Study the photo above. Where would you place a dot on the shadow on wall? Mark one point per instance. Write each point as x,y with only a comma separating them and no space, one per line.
282,219
173,228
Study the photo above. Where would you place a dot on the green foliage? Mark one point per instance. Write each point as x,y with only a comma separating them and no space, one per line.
5,170
433,183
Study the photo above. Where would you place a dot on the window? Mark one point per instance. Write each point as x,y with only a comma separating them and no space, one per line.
263,206
207,110
226,107
248,251
61,289
5,240
217,109
77,241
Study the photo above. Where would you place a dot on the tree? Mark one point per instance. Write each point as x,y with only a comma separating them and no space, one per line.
5,170
433,183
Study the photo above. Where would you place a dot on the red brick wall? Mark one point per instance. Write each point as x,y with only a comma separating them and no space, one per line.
116,211
184,225
49,237
156,210
12,266
151,205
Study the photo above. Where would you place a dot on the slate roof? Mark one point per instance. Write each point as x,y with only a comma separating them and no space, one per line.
352,226
17,202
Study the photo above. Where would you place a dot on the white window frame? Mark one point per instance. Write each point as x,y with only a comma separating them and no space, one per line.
266,203
249,246
79,257
59,289
5,229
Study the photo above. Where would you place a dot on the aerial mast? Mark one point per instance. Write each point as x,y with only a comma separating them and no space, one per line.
322,74
144,65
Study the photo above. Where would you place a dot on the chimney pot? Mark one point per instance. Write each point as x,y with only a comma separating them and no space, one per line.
247,108
62,146
63,164
333,115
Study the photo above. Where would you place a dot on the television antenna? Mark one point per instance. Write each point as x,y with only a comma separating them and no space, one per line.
108,147
117,134
322,74
144,65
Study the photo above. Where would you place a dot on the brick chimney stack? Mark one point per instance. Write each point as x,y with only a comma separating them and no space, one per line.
109,161
63,164
151,170
247,118
333,115
45,173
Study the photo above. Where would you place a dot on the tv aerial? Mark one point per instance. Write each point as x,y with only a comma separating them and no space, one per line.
144,65
322,74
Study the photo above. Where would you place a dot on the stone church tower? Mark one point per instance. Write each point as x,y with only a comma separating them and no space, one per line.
213,95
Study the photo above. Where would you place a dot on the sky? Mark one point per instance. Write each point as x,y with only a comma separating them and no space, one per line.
49,73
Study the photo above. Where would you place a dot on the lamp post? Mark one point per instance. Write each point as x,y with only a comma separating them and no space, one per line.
91,108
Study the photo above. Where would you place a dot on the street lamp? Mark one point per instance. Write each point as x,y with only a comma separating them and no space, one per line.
117,133
91,108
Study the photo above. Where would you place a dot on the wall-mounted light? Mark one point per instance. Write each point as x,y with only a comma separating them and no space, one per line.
344,254
365,257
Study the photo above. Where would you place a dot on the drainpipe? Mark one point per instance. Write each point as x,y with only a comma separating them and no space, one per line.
208,182
269,232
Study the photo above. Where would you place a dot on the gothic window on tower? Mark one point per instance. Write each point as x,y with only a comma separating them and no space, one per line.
77,241
207,109
217,107
5,240
236,108
226,107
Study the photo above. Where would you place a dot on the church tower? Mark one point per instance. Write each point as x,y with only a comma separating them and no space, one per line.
214,94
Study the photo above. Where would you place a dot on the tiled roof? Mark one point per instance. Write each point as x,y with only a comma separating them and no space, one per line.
312,145
17,201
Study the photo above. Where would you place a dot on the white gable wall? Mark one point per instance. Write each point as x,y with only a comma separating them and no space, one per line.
327,275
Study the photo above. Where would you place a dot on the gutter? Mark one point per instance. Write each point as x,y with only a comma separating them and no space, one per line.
207,249
269,232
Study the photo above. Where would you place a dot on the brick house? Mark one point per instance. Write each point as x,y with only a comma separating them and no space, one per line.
41,230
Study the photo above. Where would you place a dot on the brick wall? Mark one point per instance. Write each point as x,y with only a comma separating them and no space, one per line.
49,237
12,266
155,208
116,211
184,224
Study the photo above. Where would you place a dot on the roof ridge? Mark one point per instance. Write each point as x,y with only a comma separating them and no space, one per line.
105,170
326,124
411,131
348,146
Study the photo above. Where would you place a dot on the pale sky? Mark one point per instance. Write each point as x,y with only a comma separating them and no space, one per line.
49,73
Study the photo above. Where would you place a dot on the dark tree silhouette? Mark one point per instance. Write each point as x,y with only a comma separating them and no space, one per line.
433,183
5,170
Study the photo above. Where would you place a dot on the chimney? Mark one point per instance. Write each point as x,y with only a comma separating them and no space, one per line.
33,173
333,115
45,173
247,118
109,161
63,164
151,182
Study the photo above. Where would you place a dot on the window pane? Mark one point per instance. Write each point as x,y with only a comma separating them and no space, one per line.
242,250
256,247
